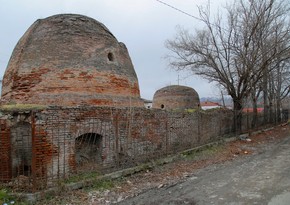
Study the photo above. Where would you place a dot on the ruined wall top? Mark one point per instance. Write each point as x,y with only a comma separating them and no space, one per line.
70,60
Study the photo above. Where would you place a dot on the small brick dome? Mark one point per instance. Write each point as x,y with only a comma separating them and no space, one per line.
176,97
70,60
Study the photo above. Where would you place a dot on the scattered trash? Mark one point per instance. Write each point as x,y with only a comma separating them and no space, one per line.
160,186
243,137
120,198
193,178
186,175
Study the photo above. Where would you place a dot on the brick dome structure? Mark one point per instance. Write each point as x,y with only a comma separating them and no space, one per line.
69,60
176,97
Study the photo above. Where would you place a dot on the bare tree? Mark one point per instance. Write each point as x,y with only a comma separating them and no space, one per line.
255,95
235,52
271,41
279,84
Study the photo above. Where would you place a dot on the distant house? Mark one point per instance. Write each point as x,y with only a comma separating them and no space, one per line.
147,103
206,105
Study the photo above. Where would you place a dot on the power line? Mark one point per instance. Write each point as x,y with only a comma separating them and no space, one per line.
183,12
179,10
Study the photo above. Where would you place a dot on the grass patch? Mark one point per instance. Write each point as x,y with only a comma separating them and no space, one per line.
7,198
11,107
190,110
203,153
92,181
4,196
103,184
81,177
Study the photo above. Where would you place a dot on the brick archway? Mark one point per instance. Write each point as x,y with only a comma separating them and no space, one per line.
88,149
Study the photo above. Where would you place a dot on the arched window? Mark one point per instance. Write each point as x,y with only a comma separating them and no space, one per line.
110,56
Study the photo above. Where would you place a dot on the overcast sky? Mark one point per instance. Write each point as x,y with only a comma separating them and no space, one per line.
143,25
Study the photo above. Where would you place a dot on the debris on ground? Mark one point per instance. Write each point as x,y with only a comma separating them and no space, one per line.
172,173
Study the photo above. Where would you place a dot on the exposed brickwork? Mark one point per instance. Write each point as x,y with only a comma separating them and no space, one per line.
176,97
126,137
5,152
70,60
43,152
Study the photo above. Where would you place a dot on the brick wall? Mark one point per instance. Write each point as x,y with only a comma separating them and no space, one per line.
121,137
5,152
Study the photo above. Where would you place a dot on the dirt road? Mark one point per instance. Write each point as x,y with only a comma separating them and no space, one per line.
260,178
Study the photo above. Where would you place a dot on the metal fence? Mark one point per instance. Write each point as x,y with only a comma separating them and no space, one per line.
40,149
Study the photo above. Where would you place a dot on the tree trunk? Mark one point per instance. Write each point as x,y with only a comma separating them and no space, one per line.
255,114
278,102
237,115
271,113
265,96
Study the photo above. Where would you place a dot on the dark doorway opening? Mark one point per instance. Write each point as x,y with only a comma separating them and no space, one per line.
88,148
21,149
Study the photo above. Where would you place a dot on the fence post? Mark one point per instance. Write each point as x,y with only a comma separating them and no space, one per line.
166,135
34,152
117,138
199,127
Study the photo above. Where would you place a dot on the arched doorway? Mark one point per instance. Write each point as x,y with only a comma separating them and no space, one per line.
21,149
88,148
